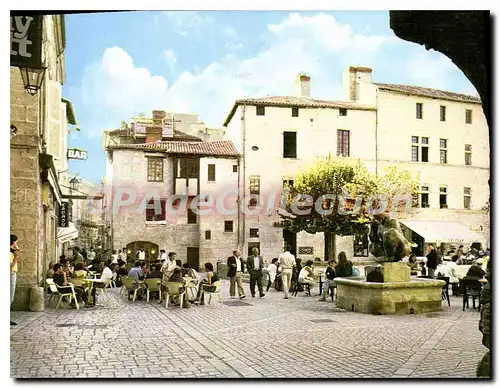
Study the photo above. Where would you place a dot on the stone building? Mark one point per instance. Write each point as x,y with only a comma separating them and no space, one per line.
426,131
38,161
151,159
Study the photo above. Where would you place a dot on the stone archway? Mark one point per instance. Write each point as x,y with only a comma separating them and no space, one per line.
152,250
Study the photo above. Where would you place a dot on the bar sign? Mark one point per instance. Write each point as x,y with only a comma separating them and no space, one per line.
63,215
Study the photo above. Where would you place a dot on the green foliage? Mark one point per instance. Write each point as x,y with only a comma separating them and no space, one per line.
347,177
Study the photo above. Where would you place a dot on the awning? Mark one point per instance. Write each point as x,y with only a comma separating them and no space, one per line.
443,231
67,234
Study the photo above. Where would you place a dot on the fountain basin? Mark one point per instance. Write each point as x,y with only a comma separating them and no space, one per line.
414,296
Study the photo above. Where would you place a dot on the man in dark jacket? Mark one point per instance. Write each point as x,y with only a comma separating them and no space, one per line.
236,267
432,261
254,267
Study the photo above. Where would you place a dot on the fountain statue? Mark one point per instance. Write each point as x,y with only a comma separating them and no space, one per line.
387,242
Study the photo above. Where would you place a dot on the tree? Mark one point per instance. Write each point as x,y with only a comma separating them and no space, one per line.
336,197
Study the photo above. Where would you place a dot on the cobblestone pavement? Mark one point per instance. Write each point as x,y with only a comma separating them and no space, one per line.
269,337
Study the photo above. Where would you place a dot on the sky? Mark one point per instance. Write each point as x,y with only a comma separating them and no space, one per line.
121,64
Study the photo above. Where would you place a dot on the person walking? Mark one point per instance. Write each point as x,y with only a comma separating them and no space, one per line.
287,262
272,272
14,260
432,261
235,273
254,267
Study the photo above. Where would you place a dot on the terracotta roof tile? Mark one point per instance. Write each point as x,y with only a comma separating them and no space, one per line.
179,135
210,148
299,102
427,92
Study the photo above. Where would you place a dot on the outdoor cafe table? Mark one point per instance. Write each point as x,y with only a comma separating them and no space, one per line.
92,287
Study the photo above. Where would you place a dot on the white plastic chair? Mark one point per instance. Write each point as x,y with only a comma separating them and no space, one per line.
173,289
215,292
54,288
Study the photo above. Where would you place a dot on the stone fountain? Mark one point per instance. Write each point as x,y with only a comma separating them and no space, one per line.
388,288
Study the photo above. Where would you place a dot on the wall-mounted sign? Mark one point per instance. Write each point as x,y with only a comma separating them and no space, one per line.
26,41
306,250
75,153
64,215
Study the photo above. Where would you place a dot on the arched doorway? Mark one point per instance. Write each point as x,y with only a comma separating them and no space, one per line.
151,249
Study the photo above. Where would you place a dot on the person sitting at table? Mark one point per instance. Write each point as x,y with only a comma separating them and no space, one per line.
423,269
177,278
413,264
136,271
206,284
80,272
451,272
344,267
63,285
476,270
306,274
156,272
329,280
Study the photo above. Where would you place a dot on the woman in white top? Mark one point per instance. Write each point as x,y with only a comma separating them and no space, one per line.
272,271
451,270
306,274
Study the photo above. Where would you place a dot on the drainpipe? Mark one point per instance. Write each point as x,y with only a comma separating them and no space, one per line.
376,133
244,177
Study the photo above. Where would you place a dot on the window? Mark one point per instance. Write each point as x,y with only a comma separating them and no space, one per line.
255,184
288,182
424,149
467,195
468,116
343,142
443,151
442,113
188,168
424,196
254,232
443,197
228,226
468,155
211,172
414,153
261,111
235,168
342,112
151,213
295,112
192,217
155,169
208,235
420,110
289,144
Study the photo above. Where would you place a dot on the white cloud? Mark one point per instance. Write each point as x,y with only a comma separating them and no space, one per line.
233,39
115,89
185,22
171,59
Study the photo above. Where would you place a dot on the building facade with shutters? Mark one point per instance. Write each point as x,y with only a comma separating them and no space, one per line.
443,136
155,176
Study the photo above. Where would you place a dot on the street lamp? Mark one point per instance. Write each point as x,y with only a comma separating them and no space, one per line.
74,182
32,79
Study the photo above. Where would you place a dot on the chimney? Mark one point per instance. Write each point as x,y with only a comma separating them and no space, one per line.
303,85
353,76
153,133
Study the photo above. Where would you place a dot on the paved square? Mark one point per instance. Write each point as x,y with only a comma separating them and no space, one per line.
270,337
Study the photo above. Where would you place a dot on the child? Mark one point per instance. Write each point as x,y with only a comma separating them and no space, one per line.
423,270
